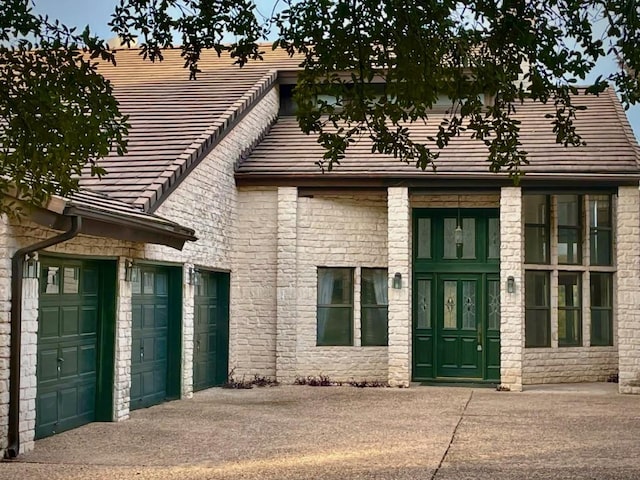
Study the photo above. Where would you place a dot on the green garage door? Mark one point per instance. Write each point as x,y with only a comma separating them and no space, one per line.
75,344
211,330
155,367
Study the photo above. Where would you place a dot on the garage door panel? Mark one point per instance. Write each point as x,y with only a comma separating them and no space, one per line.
48,324
69,363
88,357
136,386
47,408
148,320
48,364
136,317
68,403
88,320
161,316
69,321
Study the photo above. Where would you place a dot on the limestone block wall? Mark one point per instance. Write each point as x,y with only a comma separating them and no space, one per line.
569,364
253,283
511,304
628,288
338,231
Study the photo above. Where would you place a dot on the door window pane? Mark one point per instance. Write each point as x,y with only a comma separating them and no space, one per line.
374,304
148,286
450,248
469,238
569,315
469,307
51,280
70,281
335,306
424,238
493,287
494,238
537,317
450,304
424,304
601,309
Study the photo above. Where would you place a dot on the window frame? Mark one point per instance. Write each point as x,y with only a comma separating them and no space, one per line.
600,308
545,227
333,306
594,231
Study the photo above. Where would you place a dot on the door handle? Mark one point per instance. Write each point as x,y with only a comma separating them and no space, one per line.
141,352
197,345
60,360
479,330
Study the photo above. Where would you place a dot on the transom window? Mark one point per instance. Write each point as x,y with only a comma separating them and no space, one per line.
559,261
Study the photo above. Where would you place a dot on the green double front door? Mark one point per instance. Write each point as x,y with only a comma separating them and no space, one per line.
211,330
456,304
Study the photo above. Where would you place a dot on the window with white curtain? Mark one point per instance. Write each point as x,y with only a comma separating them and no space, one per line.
374,306
335,306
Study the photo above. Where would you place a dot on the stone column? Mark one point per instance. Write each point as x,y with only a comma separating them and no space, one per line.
511,304
286,285
28,364
628,288
188,341
122,374
399,230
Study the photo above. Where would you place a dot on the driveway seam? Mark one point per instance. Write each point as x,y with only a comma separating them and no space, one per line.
453,436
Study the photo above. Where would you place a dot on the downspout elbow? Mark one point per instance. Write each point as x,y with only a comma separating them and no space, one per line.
17,267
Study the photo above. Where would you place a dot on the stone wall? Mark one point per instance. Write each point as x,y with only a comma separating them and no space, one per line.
338,231
628,288
253,283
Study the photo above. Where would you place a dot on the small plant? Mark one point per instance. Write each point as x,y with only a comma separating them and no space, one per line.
368,384
319,381
243,384
503,388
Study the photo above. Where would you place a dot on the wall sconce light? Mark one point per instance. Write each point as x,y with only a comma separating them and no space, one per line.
397,281
128,270
191,276
511,284
31,267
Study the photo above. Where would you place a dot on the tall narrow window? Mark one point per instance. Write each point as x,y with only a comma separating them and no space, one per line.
335,306
536,228
537,319
600,229
569,229
569,316
601,309
374,306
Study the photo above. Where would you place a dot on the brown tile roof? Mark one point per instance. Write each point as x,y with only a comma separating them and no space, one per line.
174,121
288,156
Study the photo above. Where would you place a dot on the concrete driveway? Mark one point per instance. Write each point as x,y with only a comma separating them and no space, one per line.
295,432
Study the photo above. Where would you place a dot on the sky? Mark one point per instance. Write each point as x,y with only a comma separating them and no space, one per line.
96,14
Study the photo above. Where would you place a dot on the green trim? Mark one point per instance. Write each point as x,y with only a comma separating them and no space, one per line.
174,342
460,382
106,341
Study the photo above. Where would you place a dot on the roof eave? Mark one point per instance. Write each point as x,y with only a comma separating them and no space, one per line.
434,180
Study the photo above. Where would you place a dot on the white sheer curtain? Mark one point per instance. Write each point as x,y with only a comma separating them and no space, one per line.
325,293
380,286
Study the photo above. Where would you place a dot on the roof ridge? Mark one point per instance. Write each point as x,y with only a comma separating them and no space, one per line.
152,197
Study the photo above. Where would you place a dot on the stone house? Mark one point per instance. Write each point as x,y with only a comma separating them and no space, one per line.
215,244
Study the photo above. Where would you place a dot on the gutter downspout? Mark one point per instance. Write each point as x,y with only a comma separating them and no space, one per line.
17,267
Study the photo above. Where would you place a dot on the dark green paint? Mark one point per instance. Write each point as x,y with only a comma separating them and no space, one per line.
156,335
455,353
75,344
211,330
